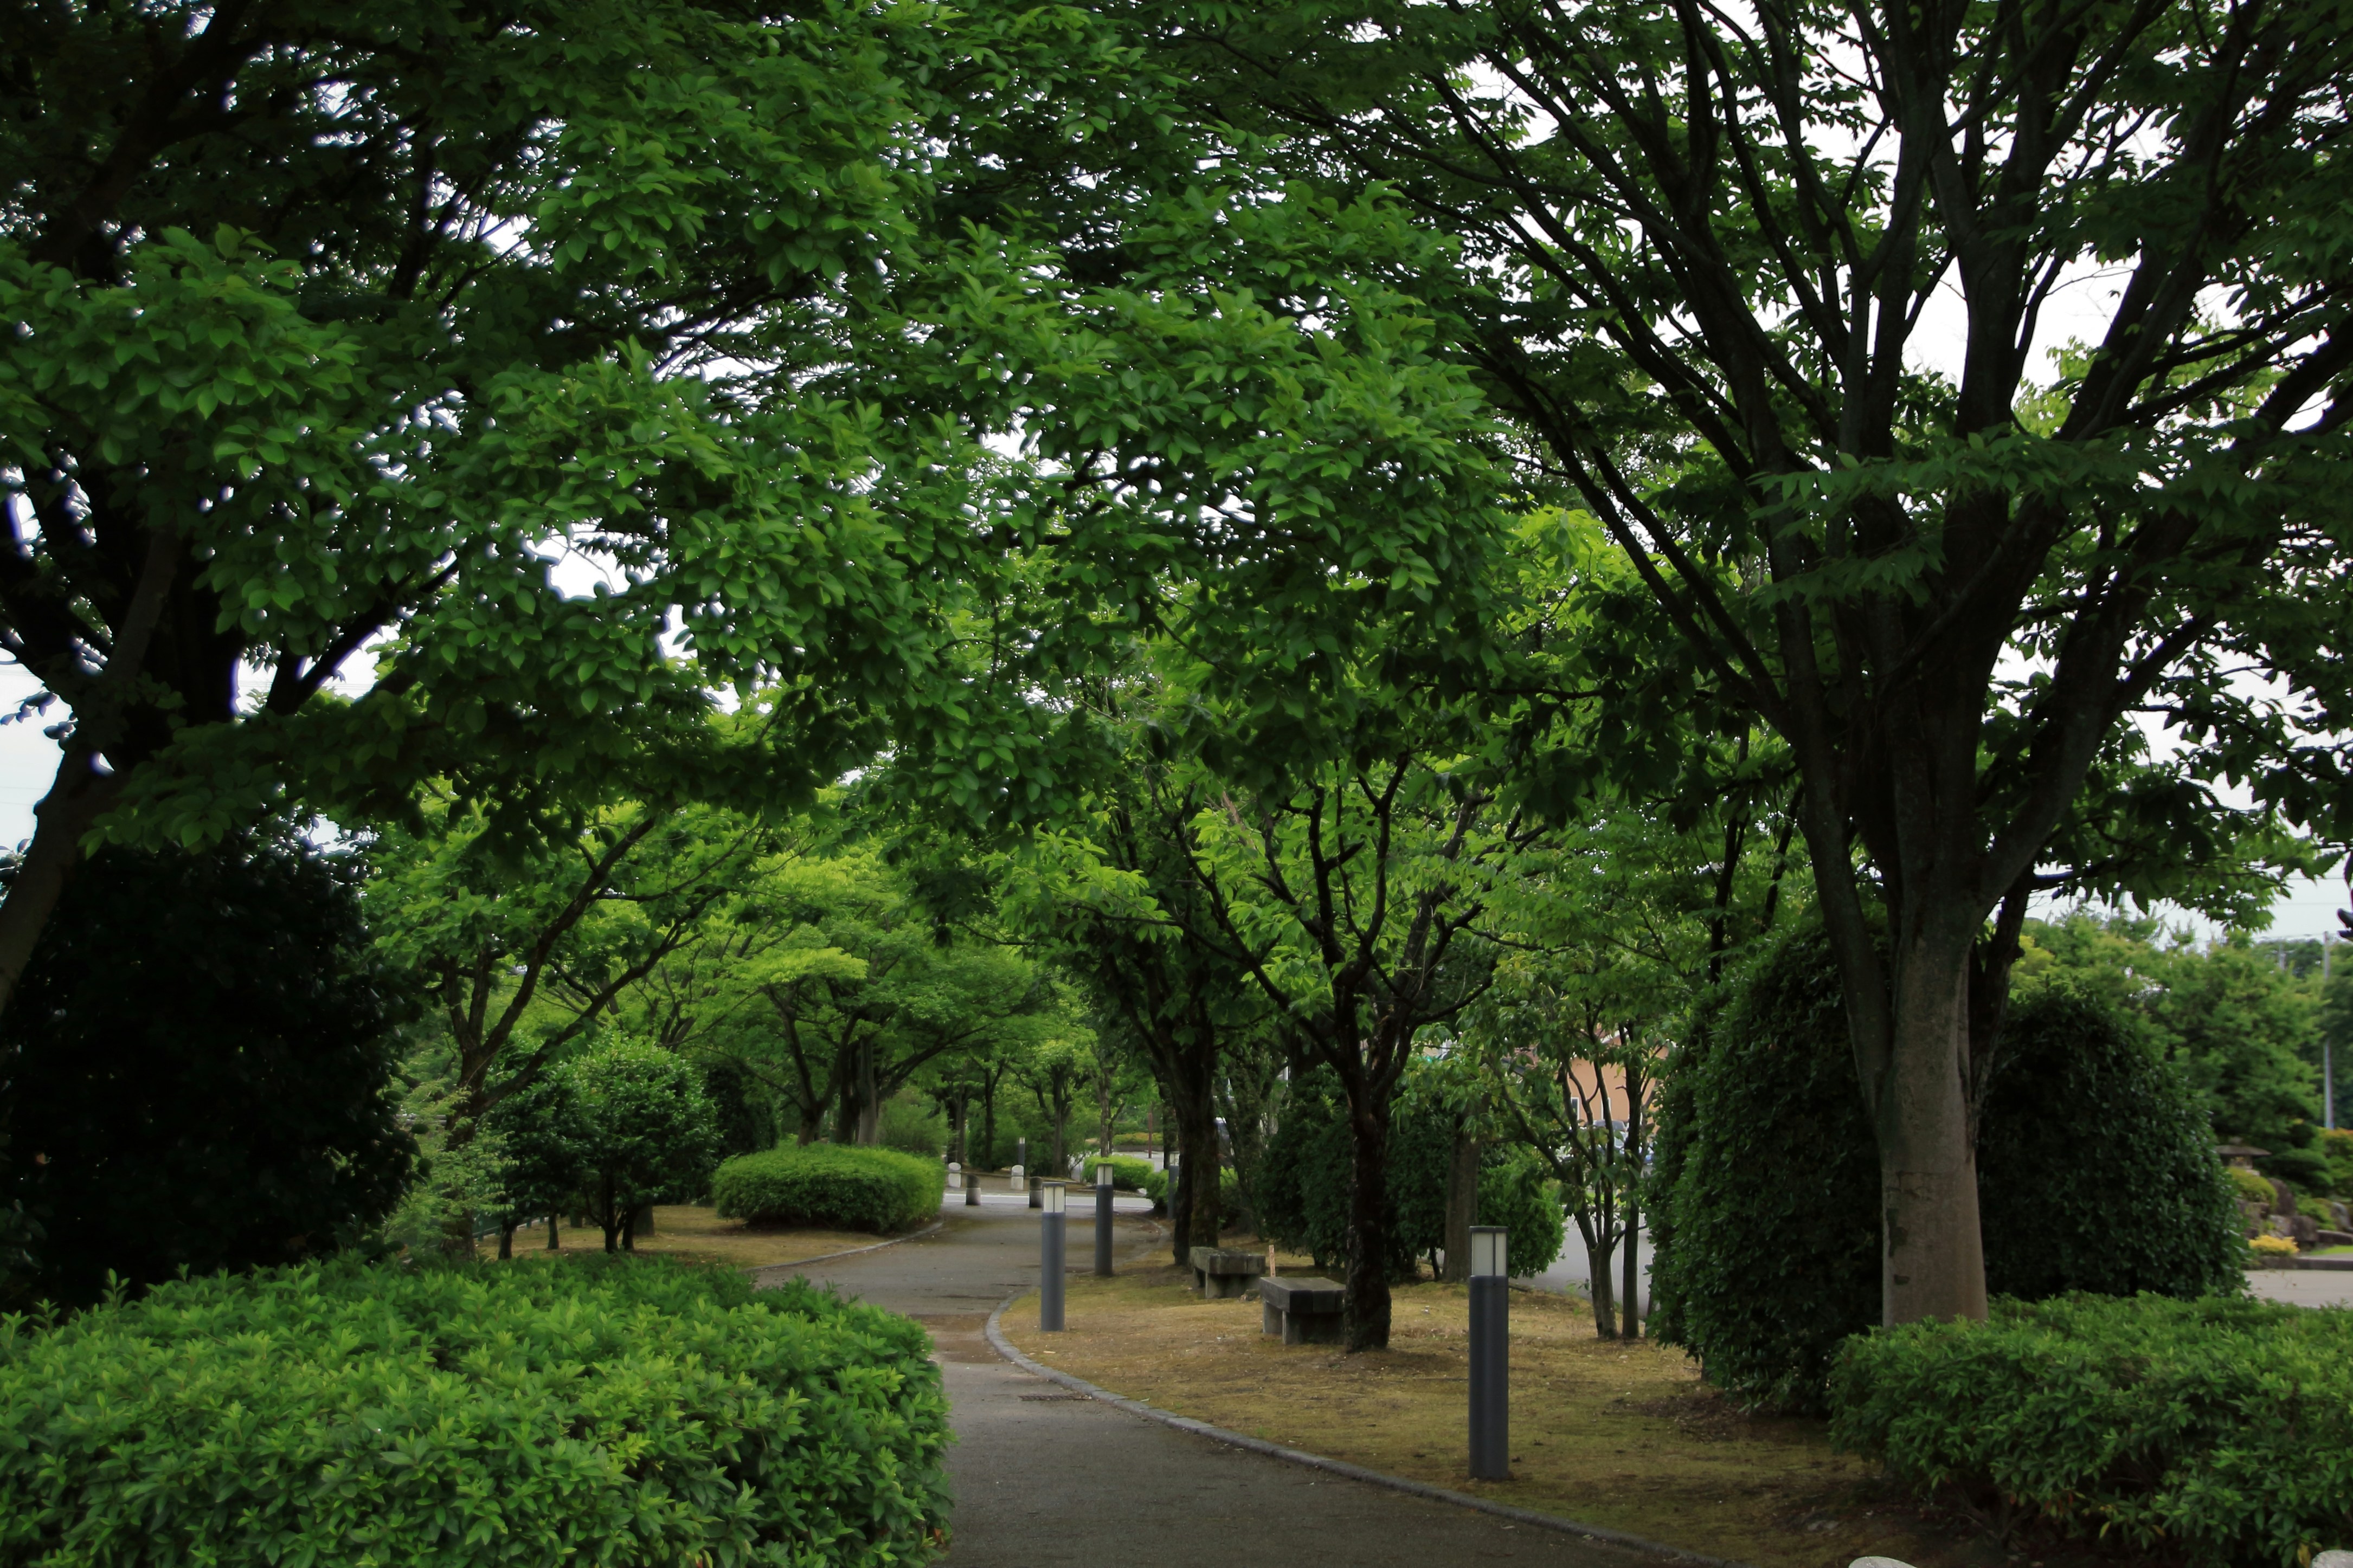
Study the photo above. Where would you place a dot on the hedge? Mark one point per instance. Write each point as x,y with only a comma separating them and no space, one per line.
553,1412
2220,1430
831,1185
2096,1171
1128,1171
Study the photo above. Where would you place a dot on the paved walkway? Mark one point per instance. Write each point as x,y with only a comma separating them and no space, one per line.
1048,1479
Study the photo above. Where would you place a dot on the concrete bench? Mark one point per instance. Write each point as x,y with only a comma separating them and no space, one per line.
1222,1272
1304,1312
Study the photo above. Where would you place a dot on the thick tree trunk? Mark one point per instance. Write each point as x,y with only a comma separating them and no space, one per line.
1193,1202
610,1221
553,1241
1368,1226
1933,1251
1462,1205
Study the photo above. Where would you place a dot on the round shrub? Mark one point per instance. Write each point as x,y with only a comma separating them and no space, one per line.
832,1186
2096,1172
533,1413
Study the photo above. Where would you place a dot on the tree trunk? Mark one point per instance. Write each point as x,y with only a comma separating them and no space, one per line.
1193,1201
1631,1298
987,1125
1932,1252
1597,1255
958,1110
610,1220
1461,1204
77,795
1368,1224
869,1099
553,1242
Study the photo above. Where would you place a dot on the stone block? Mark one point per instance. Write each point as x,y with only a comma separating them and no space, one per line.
1307,1311
1222,1272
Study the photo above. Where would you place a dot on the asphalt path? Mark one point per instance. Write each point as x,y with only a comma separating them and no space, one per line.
1047,1478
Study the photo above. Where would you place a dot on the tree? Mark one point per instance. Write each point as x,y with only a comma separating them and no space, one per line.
647,1134
1716,247
548,1145
201,1076
1350,894
524,942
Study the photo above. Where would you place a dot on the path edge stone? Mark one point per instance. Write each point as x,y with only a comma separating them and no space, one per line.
1554,1522
760,1284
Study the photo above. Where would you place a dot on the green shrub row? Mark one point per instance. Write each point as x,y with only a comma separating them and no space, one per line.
2220,1430
831,1185
537,1413
1129,1173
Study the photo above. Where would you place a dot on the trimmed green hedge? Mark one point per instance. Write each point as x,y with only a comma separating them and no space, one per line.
533,1413
2221,1429
831,1185
1129,1173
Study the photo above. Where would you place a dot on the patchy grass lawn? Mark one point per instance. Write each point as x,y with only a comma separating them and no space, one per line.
693,1231
1609,1433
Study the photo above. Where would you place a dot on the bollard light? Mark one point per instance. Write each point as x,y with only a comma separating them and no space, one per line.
1103,1219
1050,1202
956,1176
1491,1450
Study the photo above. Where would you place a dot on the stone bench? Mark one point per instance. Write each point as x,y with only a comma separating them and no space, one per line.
1222,1272
1304,1312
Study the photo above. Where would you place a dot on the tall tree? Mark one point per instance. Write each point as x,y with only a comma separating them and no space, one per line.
1726,250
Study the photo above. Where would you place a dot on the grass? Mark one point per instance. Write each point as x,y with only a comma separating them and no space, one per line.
695,1233
1610,1433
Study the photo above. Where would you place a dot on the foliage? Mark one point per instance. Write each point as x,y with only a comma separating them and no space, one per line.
1304,1204
546,1145
2217,1428
913,1129
1156,1186
1769,1254
2250,1184
533,1413
646,1133
201,1076
830,1187
2272,1246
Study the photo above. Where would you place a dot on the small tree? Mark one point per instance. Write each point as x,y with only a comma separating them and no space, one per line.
549,1145
648,1131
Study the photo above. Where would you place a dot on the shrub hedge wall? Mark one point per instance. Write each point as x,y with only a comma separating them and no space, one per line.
831,1185
533,1413
2220,1429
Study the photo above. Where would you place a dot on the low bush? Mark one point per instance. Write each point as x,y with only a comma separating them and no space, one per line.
1154,1184
536,1413
2220,1429
1128,1172
1767,1176
830,1185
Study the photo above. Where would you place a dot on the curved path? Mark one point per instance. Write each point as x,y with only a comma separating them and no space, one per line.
1045,1478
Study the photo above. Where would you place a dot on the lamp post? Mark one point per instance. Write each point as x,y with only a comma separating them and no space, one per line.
1103,1219
1491,1451
1050,1256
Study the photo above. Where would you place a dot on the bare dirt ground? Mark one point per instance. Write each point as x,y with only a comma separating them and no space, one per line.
1609,1433
699,1236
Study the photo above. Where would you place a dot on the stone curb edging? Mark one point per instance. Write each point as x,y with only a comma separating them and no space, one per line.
1004,1347
760,1268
